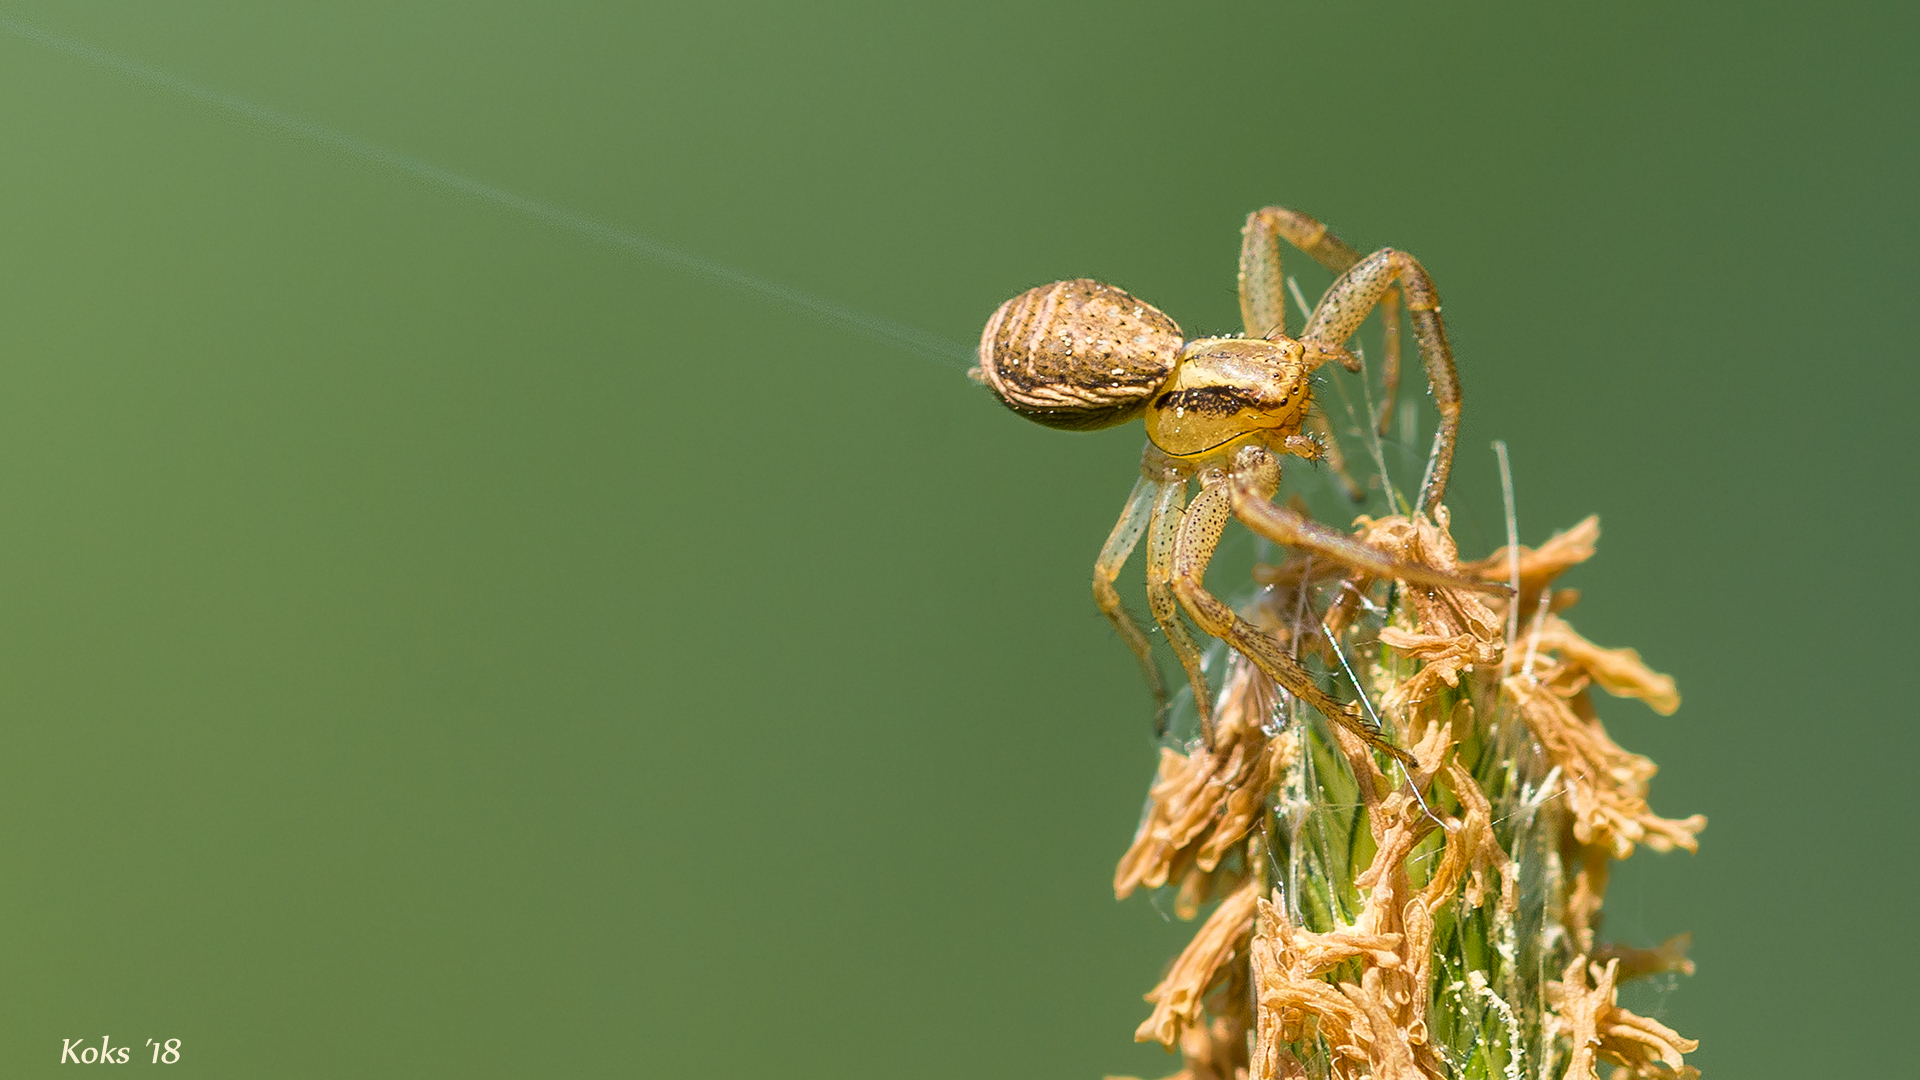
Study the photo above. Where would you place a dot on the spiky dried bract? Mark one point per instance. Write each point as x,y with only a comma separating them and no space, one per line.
1178,1000
1204,801
1539,567
1619,672
1407,922
1215,1051
1595,1026
1606,786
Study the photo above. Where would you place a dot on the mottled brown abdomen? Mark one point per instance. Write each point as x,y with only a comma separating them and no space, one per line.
1077,354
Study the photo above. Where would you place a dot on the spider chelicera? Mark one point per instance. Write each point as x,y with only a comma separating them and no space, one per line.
1223,410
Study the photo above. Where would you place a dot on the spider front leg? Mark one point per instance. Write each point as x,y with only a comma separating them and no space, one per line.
1263,300
1346,305
1250,486
1113,556
1193,550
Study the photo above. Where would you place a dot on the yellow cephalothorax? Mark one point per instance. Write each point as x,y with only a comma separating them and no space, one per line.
1223,391
1080,355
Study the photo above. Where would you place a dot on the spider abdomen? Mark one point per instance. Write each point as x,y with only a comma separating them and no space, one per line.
1077,354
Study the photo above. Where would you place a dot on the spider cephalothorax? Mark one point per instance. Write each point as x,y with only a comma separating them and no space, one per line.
1080,355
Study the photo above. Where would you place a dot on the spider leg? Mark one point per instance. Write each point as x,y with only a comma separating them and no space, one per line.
1120,544
1390,367
1199,535
1250,486
1162,530
1263,297
1263,304
1347,302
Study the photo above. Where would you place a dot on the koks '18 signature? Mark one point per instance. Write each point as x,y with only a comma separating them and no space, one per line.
78,1052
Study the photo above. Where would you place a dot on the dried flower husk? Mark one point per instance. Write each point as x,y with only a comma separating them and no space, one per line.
1435,921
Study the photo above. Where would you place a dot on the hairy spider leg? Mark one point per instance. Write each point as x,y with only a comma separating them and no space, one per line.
1120,544
1200,530
1162,531
1263,307
1250,486
1346,304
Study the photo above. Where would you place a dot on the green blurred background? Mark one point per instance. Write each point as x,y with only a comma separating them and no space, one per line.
435,643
